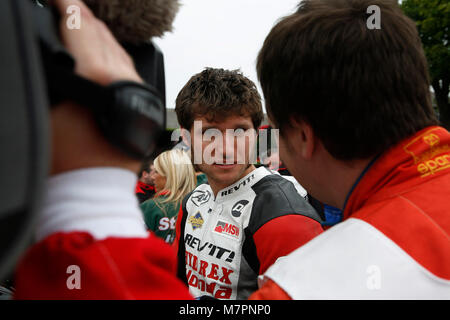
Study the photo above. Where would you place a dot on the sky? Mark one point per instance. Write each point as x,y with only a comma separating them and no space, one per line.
218,33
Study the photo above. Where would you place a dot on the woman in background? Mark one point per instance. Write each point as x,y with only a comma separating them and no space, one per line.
174,178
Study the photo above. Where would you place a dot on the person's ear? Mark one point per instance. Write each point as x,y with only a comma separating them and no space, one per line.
304,137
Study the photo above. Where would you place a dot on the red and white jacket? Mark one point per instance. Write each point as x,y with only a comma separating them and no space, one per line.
394,241
92,243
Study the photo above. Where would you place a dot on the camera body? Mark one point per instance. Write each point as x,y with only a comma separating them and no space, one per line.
131,116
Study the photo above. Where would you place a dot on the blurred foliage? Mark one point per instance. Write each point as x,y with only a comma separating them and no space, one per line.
433,23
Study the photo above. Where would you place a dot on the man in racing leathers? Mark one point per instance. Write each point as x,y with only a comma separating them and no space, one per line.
231,230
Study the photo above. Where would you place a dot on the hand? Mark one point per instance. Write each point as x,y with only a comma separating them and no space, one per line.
99,57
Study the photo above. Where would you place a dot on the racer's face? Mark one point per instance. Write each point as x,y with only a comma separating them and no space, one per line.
223,149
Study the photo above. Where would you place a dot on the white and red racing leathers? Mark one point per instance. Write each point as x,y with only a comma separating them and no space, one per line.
225,242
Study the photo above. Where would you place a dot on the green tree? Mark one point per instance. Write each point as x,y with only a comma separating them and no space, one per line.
433,23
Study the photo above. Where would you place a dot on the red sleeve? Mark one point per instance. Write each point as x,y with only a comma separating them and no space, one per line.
178,230
76,266
281,236
270,291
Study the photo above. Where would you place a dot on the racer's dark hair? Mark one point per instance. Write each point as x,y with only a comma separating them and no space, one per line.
217,94
362,90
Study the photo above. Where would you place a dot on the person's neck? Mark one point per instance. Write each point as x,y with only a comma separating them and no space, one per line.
77,143
340,178
216,186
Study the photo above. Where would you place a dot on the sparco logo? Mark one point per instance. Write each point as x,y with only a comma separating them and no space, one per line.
227,228
199,197
236,211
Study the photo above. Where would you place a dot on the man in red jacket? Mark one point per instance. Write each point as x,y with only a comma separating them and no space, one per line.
357,128
145,187
92,241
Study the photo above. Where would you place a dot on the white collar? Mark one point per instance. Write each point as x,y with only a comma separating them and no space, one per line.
243,184
100,201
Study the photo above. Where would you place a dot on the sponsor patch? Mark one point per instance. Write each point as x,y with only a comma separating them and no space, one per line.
238,207
432,160
200,197
431,140
196,221
227,229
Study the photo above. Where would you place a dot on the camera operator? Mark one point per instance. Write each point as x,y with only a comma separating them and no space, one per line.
91,238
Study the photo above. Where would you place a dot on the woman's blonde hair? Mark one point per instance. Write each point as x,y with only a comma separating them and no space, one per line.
177,167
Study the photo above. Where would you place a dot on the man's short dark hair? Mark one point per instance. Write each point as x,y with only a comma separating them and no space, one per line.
362,90
145,166
217,94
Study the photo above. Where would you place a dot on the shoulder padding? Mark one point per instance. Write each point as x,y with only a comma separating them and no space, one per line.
276,197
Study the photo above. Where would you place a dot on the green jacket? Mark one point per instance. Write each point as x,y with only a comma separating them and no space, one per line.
161,217
201,178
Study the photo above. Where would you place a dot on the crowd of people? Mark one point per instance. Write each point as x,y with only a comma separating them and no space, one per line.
359,209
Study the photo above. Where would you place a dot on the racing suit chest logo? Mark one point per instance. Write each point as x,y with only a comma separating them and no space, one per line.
238,207
196,221
228,229
200,197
